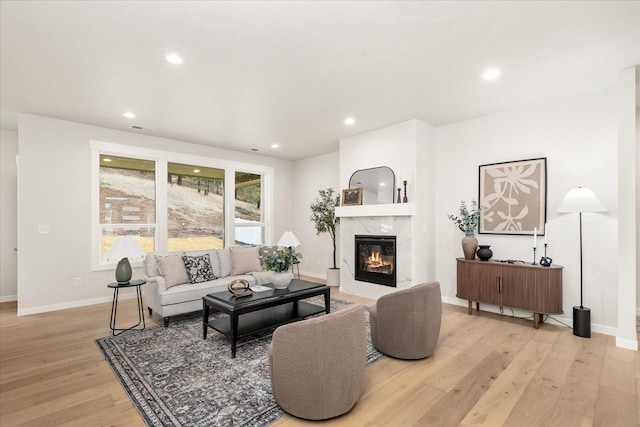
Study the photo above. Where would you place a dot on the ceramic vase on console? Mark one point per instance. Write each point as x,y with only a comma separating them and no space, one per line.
281,280
484,253
469,245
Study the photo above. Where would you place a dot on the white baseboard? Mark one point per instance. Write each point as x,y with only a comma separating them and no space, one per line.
626,343
8,298
71,304
556,320
316,275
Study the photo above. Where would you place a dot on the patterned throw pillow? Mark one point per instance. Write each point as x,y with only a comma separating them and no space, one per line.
198,268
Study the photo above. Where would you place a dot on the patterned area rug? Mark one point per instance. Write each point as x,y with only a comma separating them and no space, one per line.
175,378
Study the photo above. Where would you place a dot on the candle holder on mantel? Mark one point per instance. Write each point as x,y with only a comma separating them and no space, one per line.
404,199
399,199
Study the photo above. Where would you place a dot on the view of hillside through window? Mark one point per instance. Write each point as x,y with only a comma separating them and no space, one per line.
195,204
127,201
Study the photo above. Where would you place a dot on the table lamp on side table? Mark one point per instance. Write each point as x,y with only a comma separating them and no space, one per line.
124,248
581,200
289,240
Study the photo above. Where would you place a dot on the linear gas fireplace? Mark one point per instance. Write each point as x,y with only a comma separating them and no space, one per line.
375,259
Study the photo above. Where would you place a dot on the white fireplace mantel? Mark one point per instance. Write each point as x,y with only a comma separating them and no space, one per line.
394,209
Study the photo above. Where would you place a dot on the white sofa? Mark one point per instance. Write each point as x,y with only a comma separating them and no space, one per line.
167,295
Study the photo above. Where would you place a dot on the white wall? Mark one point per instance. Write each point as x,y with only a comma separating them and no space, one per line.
408,148
311,175
8,215
54,174
627,227
579,139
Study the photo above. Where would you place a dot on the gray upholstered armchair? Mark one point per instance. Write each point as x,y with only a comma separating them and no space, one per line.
317,365
406,324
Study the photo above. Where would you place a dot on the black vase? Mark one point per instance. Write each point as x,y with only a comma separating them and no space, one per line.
484,253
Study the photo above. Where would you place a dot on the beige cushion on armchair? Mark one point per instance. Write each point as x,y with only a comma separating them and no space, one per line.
406,323
317,365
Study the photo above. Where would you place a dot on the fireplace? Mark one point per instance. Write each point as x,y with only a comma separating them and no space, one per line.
375,259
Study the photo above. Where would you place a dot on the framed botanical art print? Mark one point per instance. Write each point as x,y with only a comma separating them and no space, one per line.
352,197
513,197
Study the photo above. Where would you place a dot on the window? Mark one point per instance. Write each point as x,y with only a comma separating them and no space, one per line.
127,201
195,207
249,227
175,205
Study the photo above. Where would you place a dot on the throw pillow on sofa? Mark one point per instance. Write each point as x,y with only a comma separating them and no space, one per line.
245,260
213,257
172,268
224,259
198,268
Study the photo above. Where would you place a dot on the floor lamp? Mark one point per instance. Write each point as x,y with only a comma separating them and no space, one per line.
581,200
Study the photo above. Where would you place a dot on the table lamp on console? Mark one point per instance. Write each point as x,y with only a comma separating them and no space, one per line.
581,200
124,248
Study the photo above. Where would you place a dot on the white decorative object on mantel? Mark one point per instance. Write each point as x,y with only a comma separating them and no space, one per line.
394,209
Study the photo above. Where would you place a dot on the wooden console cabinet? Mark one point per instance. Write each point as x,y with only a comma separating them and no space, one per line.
524,286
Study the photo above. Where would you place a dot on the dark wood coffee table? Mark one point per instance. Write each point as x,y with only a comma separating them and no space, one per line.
262,310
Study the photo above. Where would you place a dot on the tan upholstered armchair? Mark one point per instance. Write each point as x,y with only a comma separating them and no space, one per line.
406,323
317,365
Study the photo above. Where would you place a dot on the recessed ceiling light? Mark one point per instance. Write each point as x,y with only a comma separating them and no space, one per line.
382,184
275,145
106,160
349,121
129,115
174,58
491,74
196,171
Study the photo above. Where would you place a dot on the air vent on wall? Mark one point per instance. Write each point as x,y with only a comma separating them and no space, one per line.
138,127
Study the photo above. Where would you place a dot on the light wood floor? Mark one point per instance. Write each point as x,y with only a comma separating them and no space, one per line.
487,370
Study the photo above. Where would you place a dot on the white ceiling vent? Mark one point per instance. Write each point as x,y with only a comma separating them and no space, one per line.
138,127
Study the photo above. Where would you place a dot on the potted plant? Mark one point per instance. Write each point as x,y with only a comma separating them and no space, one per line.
323,215
468,222
280,262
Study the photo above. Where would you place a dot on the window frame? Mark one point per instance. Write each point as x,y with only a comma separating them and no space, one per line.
162,159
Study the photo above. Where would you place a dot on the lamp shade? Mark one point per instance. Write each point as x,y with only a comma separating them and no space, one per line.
581,200
288,239
125,247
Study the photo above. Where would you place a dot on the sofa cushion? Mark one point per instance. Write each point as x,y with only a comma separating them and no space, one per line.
198,268
245,260
191,292
224,257
172,269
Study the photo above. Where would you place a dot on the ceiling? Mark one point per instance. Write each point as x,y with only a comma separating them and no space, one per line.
259,73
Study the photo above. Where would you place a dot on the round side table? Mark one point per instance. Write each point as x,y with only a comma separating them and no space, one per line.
114,305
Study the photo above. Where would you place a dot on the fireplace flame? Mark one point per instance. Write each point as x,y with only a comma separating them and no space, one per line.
375,262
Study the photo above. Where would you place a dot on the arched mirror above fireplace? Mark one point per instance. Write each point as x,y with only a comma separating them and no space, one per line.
377,185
